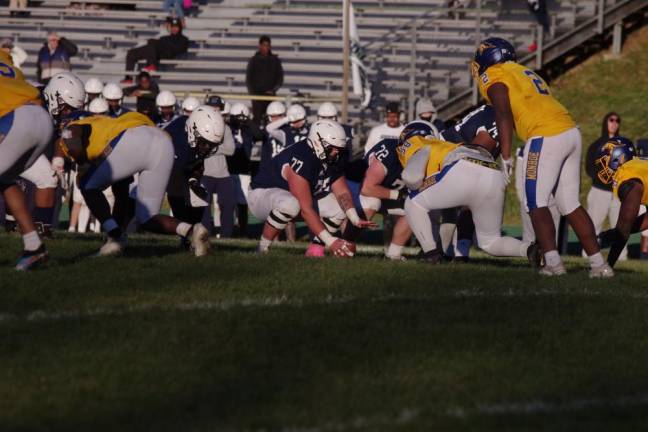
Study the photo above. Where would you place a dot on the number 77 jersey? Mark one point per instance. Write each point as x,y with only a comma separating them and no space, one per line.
535,111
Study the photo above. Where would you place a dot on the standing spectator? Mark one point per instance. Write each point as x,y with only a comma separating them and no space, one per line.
167,47
217,180
601,202
54,57
390,129
263,77
539,10
18,55
145,90
17,8
425,110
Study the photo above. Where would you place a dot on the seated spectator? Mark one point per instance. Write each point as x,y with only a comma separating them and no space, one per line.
18,55
54,57
167,47
145,90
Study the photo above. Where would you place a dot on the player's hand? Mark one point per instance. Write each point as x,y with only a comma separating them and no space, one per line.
58,166
507,168
342,248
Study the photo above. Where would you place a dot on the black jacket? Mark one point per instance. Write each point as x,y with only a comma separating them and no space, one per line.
171,46
592,154
264,74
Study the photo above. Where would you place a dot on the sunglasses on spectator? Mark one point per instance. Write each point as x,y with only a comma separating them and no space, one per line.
614,120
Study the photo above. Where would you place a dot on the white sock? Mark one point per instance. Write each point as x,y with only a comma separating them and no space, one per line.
463,248
264,244
32,241
446,232
596,260
552,258
183,229
394,251
71,229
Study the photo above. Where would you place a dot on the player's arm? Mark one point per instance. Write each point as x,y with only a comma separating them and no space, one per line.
630,193
274,129
372,183
498,94
341,191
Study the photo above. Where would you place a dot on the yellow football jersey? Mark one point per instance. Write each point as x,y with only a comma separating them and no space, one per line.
633,169
535,111
105,130
439,150
15,91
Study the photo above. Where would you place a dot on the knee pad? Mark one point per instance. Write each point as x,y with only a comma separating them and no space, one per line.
286,211
370,203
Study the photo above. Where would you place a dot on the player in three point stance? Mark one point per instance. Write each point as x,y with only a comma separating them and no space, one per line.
25,132
445,175
117,148
287,185
552,153
629,178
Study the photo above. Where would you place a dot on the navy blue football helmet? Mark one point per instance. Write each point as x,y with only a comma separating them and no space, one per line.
418,128
613,154
492,51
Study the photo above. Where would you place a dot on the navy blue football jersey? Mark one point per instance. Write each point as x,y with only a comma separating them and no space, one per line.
385,152
483,118
301,158
182,150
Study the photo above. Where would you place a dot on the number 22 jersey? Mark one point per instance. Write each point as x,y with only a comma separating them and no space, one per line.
535,111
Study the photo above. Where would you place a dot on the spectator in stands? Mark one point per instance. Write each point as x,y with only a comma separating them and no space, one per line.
425,110
145,91
263,77
17,8
539,10
390,129
174,8
167,47
601,203
54,57
18,55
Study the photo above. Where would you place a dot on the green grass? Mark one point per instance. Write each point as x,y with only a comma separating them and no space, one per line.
598,86
159,340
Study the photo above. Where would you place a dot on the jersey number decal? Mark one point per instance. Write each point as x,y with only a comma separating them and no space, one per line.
537,81
381,153
296,164
7,71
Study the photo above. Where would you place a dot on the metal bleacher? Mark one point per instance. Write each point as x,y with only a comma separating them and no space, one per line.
420,43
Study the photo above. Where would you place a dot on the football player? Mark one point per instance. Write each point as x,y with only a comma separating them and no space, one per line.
292,128
287,187
629,178
189,105
93,88
25,132
552,153
116,148
114,95
446,175
166,104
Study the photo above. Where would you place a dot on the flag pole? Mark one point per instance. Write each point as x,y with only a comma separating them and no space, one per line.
346,11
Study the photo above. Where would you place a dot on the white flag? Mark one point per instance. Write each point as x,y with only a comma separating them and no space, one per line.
361,84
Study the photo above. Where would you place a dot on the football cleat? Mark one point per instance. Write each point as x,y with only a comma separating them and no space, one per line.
200,240
432,257
535,256
460,260
400,258
315,250
556,270
604,271
31,259
112,246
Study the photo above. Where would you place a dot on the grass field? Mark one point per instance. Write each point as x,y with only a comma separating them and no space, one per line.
159,340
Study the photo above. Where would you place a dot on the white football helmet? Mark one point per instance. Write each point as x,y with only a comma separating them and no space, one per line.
94,86
276,108
226,109
64,89
296,113
98,106
239,110
205,129
325,134
190,104
112,91
327,110
165,99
